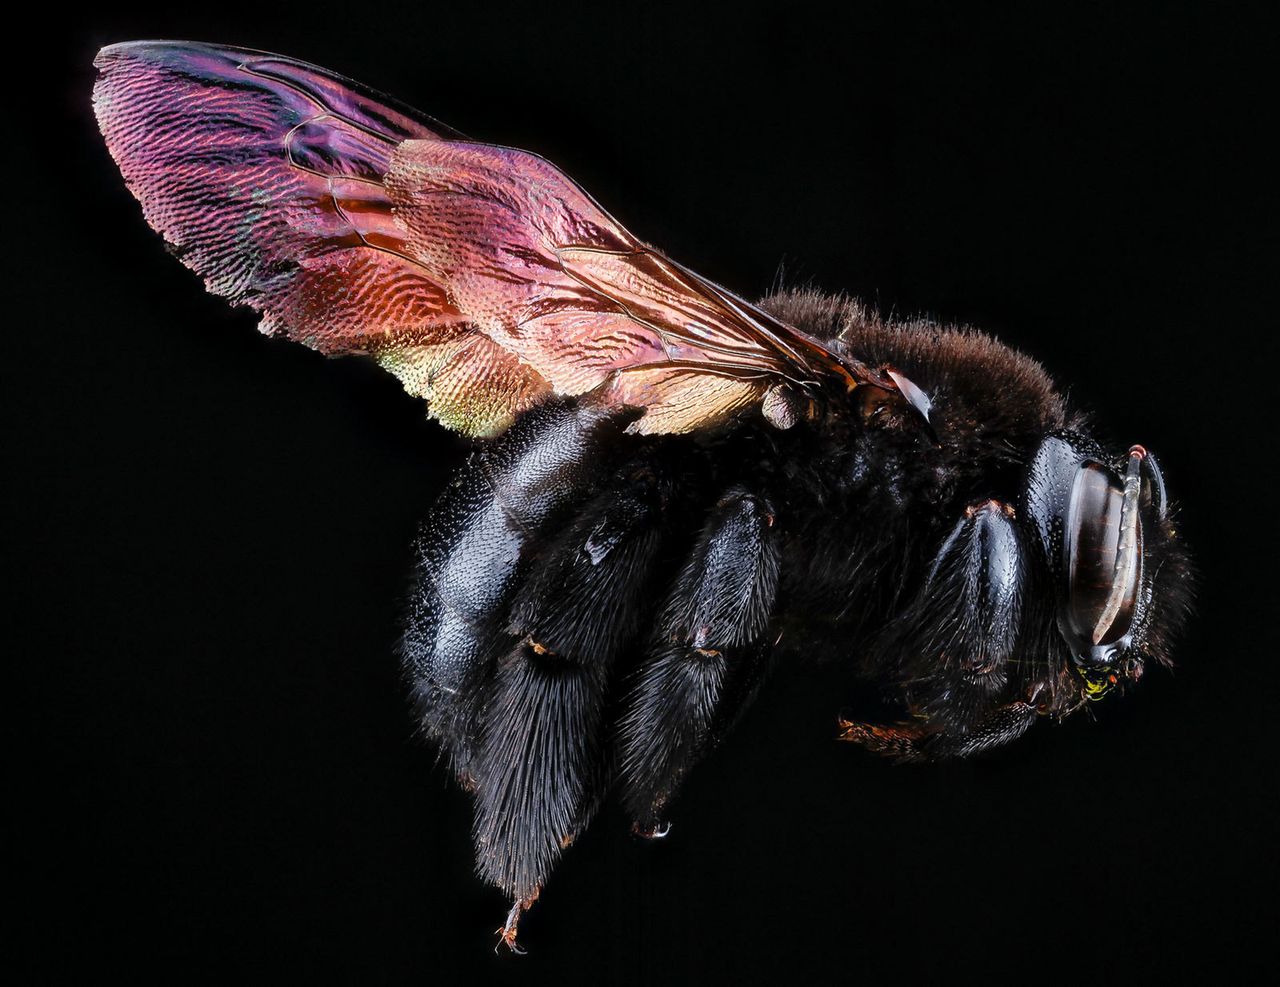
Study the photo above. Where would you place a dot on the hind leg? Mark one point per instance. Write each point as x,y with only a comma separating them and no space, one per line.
474,547
531,580
539,760
708,653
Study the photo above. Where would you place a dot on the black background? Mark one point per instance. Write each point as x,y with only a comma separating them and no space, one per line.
217,772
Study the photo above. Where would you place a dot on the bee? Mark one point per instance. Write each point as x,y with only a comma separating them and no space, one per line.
674,491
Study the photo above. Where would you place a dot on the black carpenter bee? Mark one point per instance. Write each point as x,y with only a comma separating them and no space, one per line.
674,490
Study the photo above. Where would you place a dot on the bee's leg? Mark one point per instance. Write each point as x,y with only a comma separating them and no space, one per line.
922,741
509,929
708,653
471,552
539,761
954,646
965,624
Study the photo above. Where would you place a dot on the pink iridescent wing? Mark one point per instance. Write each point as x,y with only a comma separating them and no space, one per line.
481,276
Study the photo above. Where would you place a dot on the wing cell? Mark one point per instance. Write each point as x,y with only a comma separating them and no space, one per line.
481,276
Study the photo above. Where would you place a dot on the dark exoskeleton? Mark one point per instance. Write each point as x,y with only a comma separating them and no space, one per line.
593,609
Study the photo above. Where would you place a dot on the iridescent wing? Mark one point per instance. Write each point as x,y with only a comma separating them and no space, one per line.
481,276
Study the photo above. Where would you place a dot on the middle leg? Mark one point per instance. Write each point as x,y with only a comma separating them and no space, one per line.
708,653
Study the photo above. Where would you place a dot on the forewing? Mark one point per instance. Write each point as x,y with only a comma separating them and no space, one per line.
479,275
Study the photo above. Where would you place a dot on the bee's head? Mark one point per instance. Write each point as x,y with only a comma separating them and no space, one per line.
1034,609
1118,571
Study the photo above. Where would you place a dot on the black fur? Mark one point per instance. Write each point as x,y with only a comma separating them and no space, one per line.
473,553
593,609
540,764
706,653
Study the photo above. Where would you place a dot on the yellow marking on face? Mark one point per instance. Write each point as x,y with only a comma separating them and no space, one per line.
1095,689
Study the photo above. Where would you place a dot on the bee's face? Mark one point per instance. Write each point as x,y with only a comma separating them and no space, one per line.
1033,605
1104,532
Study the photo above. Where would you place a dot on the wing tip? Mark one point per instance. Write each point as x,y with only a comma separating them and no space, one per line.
201,61
153,53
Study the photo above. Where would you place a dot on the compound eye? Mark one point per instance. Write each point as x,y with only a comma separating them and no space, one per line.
1101,559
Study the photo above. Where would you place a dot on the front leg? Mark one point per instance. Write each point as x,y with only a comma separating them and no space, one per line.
953,648
925,741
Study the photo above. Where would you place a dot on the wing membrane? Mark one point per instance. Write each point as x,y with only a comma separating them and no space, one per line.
479,275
